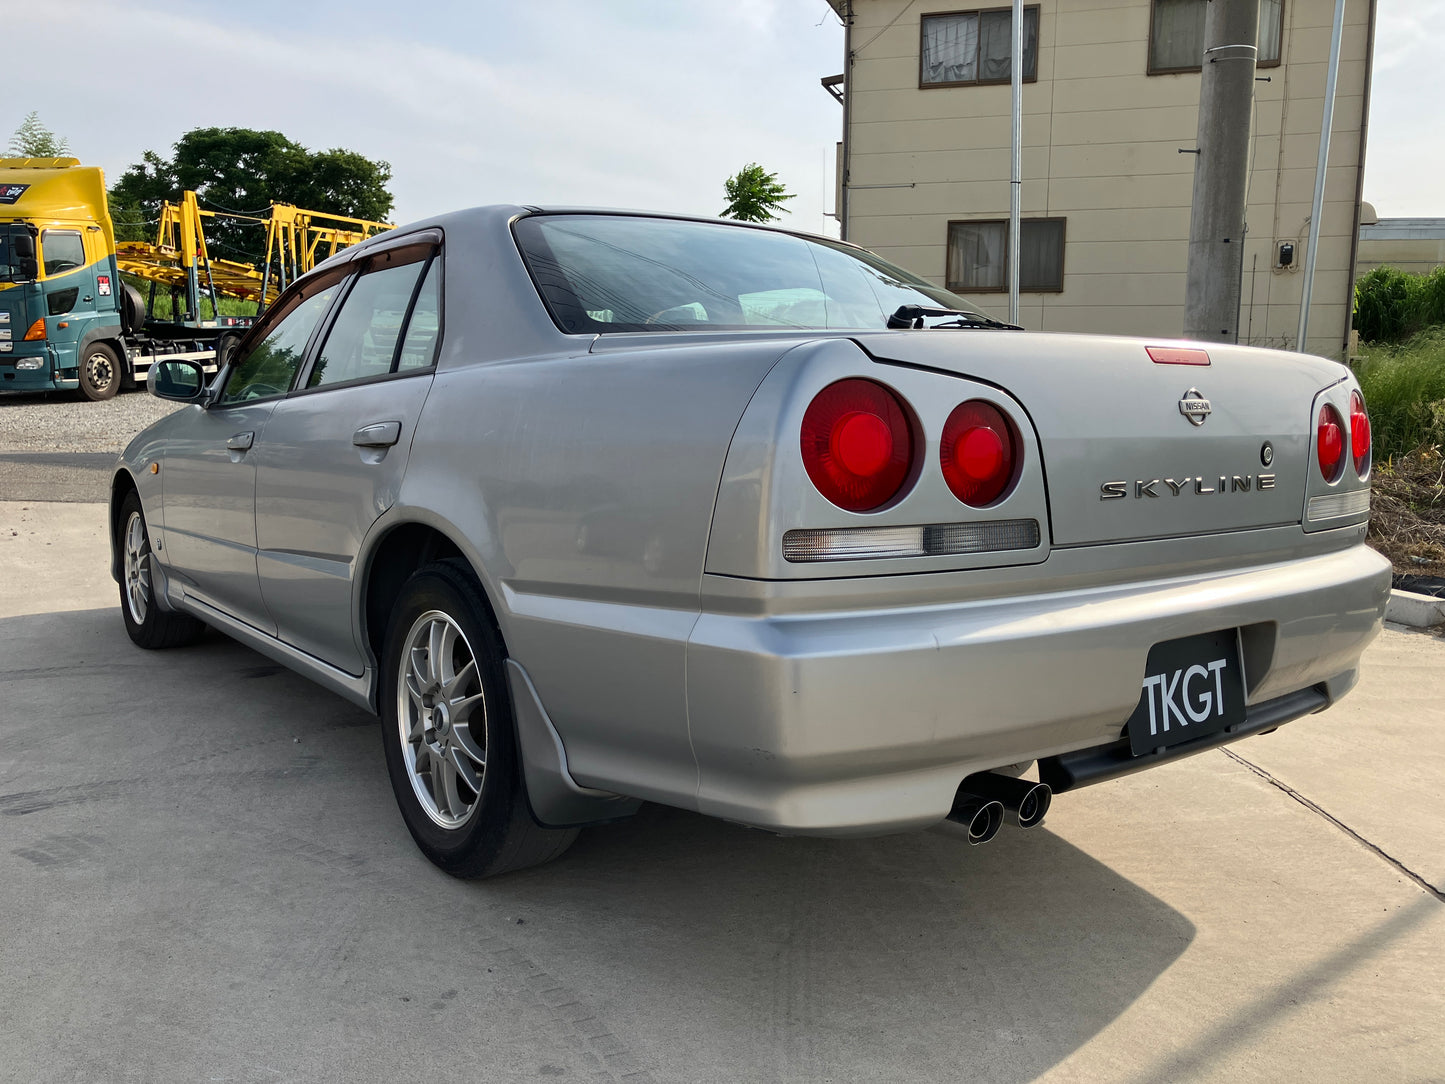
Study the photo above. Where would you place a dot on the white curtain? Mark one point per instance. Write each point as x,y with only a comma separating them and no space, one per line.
976,255
995,45
1177,37
950,48
1271,15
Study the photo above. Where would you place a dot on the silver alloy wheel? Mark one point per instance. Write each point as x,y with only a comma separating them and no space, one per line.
100,369
441,714
137,568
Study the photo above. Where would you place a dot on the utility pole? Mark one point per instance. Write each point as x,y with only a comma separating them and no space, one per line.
1016,161
1221,171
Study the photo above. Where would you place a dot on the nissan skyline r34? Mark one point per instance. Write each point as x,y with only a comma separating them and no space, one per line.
597,508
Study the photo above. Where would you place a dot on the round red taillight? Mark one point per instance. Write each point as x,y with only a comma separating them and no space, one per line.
857,444
1359,434
1330,443
979,452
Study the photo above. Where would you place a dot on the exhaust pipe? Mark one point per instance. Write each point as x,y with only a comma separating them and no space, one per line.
974,818
1025,801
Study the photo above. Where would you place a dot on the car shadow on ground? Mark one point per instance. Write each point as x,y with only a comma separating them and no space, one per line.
251,814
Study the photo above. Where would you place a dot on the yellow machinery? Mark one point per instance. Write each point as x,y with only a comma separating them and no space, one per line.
296,240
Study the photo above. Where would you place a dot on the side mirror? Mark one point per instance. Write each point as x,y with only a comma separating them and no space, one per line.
181,381
23,245
27,270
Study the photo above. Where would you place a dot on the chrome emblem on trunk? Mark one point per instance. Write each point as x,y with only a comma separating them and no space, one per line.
1194,407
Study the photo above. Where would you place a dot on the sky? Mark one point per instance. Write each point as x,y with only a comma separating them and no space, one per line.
621,103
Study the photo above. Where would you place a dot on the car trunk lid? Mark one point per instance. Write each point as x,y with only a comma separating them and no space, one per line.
1124,460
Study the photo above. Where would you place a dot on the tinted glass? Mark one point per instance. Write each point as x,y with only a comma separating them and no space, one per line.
362,340
270,366
418,349
62,250
8,260
610,274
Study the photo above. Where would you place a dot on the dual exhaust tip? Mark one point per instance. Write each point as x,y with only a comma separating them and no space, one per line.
985,800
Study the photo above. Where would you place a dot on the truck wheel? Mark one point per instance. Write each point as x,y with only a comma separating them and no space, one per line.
450,741
146,623
100,373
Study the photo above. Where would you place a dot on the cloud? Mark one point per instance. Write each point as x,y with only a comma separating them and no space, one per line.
641,105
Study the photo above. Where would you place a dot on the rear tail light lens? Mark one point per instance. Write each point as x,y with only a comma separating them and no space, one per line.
1359,434
979,452
1330,443
857,444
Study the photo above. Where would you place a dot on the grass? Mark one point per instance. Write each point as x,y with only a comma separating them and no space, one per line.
1392,305
1404,390
229,306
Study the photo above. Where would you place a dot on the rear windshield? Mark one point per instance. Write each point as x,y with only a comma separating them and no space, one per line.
613,273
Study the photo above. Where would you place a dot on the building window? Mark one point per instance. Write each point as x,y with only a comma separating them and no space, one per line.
964,48
978,256
1176,35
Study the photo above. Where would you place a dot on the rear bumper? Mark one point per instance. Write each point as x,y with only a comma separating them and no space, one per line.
863,721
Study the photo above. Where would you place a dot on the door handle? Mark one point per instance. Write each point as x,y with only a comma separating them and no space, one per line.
240,442
377,435
87,297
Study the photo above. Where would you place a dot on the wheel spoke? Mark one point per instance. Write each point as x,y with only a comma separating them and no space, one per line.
463,705
448,800
462,767
450,688
464,739
436,642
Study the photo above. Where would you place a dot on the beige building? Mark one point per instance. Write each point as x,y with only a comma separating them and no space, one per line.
1110,100
1410,244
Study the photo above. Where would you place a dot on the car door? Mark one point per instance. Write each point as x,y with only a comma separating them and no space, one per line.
69,289
331,457
208,476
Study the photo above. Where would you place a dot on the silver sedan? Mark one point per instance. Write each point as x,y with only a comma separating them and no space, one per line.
596,508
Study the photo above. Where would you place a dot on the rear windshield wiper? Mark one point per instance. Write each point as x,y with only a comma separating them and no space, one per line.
911,316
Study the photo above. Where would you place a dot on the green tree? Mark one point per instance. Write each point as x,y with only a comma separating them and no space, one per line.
754,195
244,170
33,140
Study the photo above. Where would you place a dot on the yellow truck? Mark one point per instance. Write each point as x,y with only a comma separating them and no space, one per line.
67,321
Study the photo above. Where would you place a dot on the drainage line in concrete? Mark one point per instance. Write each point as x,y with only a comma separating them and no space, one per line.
1341,825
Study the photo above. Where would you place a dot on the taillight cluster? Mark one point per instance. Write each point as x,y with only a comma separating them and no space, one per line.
1331,436
860,442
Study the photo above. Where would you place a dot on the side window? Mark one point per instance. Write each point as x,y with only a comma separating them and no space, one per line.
978,255
363,339
419,348
62,250
270,365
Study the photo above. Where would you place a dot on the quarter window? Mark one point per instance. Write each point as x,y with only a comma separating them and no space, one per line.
271,364
62,250
418,349
978,255
960,48
1176,35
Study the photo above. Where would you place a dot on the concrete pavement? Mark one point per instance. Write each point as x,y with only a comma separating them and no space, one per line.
203,876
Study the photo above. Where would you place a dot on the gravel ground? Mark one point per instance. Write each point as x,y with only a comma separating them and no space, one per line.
64,422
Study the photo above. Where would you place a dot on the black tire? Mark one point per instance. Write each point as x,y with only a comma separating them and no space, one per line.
132,309
147,624
101,372
495,833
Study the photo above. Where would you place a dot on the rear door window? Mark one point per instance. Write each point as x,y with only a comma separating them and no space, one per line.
362,341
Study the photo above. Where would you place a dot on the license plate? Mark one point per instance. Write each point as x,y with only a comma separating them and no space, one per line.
1192,688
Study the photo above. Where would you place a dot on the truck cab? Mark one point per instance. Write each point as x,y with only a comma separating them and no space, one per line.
60,290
